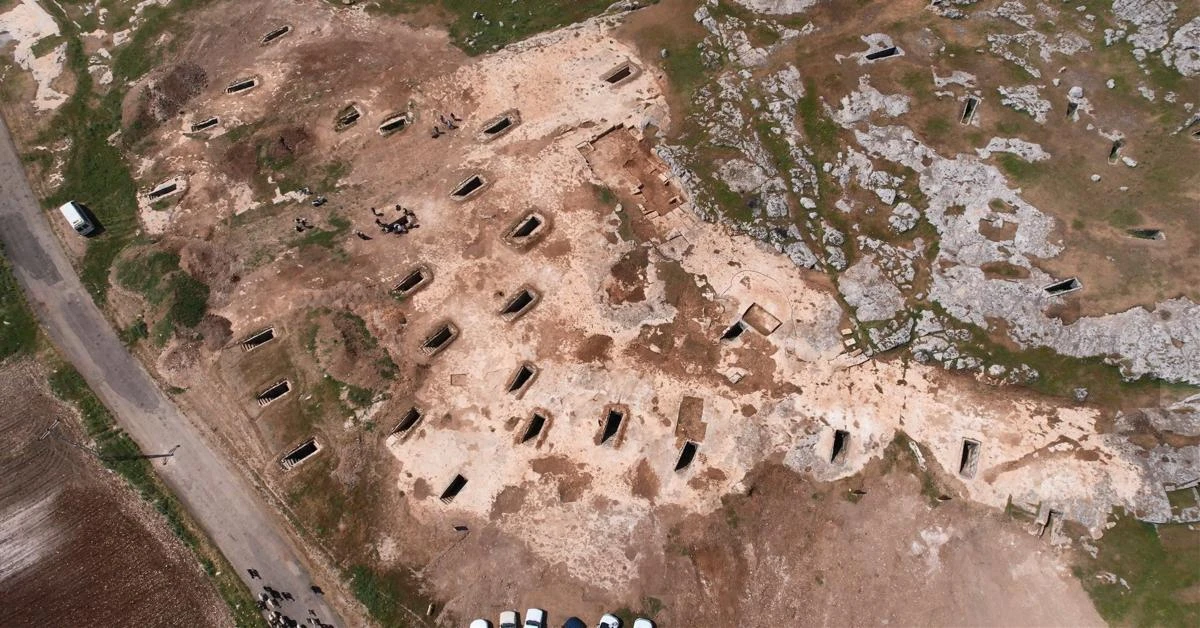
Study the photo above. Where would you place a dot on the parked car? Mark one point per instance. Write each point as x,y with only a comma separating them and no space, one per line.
481,623
574,622
535,618
77,218
642,622
510,619
609,621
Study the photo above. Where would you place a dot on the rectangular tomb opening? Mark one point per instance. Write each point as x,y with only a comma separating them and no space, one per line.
348,117
969,107
258,339
520,304
274,392
883,54
205,124
242,85
394,124
1114,153
533,430
274,35
613,418
622,72
841,445
1063,287
453,489
735,330
306,450
686,455
439,339
522,378
1147,234
760,319
968,462
470,186
408,421
416,279
163,189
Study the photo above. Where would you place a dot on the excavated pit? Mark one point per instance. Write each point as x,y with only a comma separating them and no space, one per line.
275,35
1053,518
441,338
163,190
521,379
969,108
453,489
1147,234
1072,107
347,117
759,319
205,125
968,462
886,53
526,230
258,339
395,123
408,421
734,332
414,281
499,125
469,187
841,445
242,85
686,455
275,391
1063,287
623,73
1114,153
614,418
535,427
520,304
306,450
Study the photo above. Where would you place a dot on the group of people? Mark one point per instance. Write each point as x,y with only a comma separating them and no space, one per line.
449,123
400,226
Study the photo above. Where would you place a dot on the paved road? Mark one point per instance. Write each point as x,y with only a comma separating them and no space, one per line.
211,488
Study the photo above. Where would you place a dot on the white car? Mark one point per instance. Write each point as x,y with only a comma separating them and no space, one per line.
535,618
509,619
609,621
481,623
642,622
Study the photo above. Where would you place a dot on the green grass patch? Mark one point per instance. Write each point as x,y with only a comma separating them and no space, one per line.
1016,167
121,454
46,45
505,21
145,274
392,597
1124,217
325,238
1161,565
18,327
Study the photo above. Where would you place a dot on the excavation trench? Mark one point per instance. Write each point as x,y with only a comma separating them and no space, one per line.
522,378
469,187
205,125
1147,234
520,304
275,35
969,107
526,230
241,85
453,489
408,421
274,392
306,450
1063,287
439,339
686,455
883,54
258,339
394,124
534,428
968,462
415,280
347,117
734,331
841,444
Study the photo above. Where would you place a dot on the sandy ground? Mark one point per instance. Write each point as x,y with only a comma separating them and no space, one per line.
79,548
633,297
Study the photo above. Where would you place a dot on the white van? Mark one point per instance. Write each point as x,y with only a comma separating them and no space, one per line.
77,218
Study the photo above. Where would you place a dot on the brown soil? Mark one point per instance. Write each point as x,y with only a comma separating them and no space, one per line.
80,548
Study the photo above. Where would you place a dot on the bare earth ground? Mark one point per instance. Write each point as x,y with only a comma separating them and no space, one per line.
79,549
634,294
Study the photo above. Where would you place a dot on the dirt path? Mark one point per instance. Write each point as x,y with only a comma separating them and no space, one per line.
221,500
